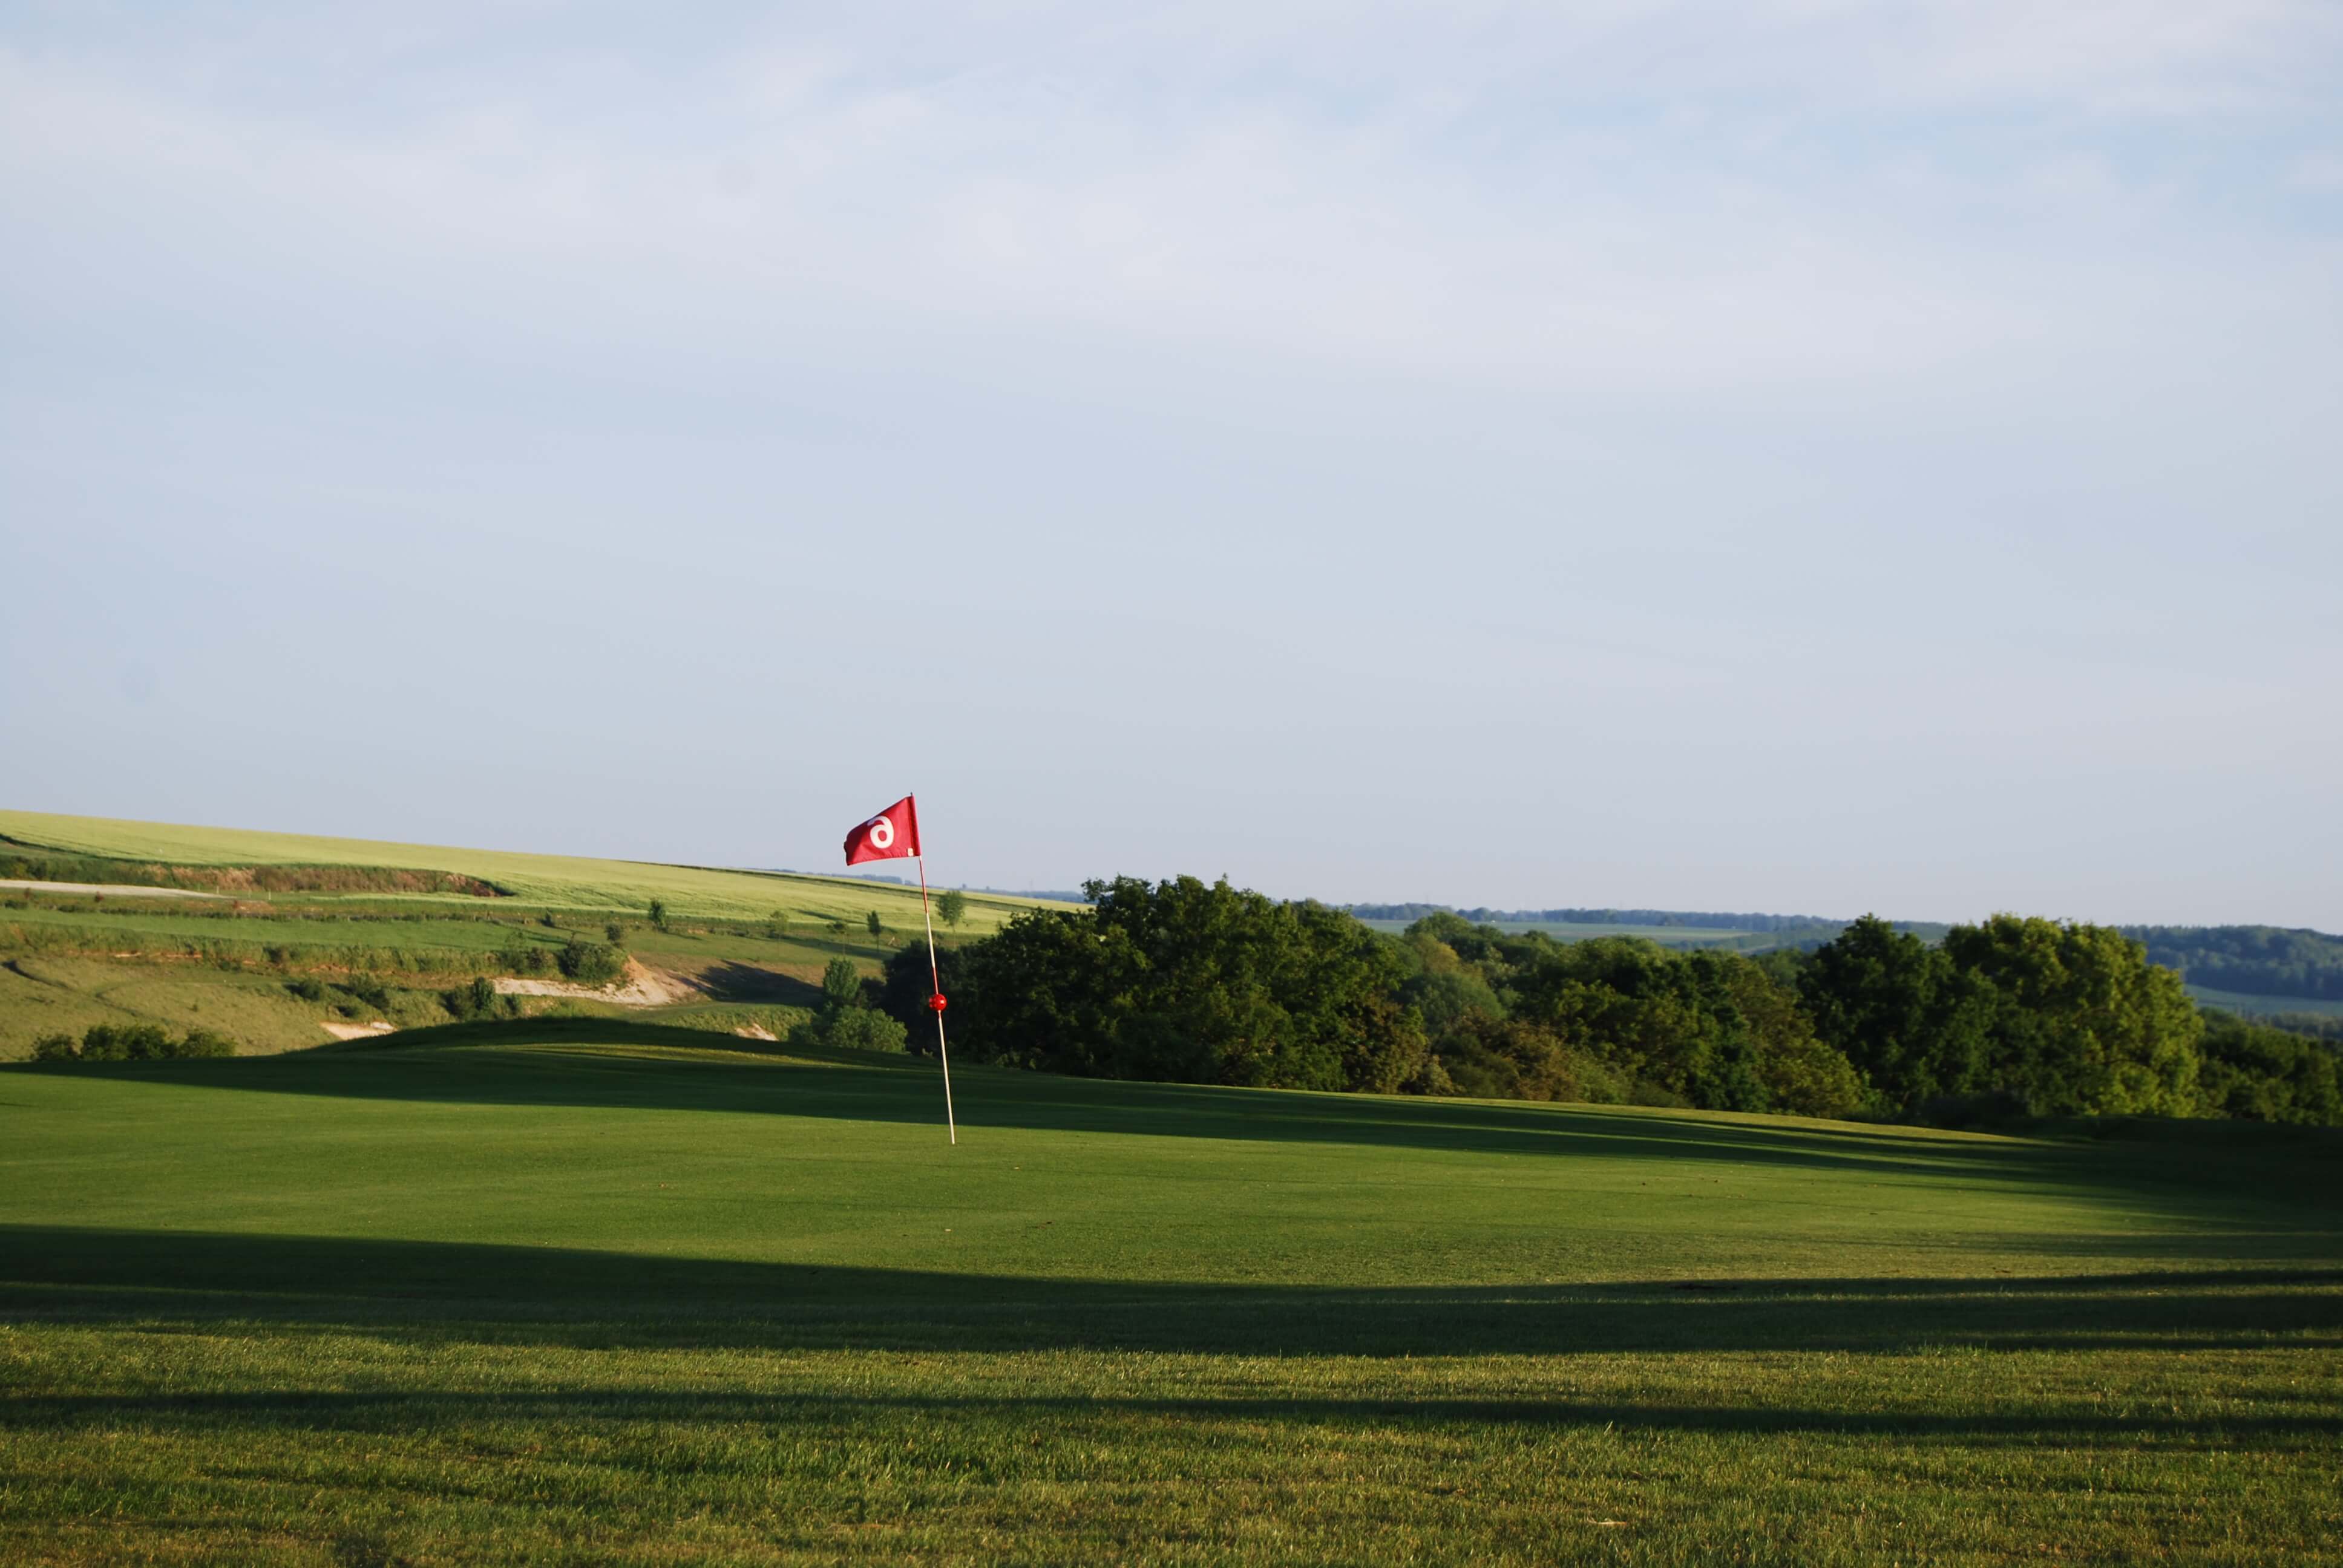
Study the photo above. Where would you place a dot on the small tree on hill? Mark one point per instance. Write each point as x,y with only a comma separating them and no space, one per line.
842,986
777,924
952,905
659,913
878,926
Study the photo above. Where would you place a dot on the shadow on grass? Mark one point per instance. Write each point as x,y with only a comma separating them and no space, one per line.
408,1410
87,1276
2240,1182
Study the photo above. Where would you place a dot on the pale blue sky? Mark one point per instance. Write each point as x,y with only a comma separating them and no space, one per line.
1781,455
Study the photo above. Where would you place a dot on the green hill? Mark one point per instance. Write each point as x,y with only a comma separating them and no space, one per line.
557,881
587,1290
290,936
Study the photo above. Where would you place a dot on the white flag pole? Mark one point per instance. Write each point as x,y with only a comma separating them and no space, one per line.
936,997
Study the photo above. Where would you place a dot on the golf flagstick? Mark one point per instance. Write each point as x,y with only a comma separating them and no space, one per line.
936,997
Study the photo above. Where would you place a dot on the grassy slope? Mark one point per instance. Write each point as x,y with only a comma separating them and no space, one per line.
604,1298
2251,1004
555,880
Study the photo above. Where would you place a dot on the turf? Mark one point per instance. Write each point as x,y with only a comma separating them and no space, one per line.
588,1290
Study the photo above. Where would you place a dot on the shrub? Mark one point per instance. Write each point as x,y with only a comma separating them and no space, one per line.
777,925
591,963
370,991
615,933
477,1000
125,1042
851,1029
659,913
132,1042
307,989
951,906
878,926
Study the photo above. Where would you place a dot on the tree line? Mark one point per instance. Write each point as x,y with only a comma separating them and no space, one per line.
1183,982
2255,960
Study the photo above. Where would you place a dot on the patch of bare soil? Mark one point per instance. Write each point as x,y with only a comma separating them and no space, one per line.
756,1032
109,890
356,1031
644,987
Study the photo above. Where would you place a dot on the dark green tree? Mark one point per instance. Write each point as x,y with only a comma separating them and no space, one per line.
1914,1024
659,913
1189,982
952,907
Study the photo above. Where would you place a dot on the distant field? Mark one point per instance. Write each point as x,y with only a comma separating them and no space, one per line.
2241,1002
586,1292
1574,931
553,880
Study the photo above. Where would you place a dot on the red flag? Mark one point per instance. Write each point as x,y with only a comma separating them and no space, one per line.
892,835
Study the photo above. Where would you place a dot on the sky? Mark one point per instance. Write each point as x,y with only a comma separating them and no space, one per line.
1785,454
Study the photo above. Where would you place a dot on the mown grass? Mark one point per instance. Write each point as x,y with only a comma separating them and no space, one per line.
562,881
588,1290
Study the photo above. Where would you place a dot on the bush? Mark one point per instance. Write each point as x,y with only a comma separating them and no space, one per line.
478,999
851,1029
615,933
370,991
777,925
132,1042
952,907
591,963
307,989
203,1042
878,926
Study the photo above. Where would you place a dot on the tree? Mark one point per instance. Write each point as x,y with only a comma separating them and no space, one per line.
1914,1024
952,905
659,913
878,926
2083,1024
2264,1074
841,985
1183,982
777,924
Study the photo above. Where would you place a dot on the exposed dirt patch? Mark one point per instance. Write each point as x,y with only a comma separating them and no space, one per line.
756,1032
356,1031
644,987
109,890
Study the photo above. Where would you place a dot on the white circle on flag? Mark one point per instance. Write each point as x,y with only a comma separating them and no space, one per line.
883,832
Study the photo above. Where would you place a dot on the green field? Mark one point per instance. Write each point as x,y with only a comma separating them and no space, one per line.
68,962
2249,1005
582,1291
554,882
1580,930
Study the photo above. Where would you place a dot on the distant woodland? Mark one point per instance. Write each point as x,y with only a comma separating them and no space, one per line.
2251,960
2013,1016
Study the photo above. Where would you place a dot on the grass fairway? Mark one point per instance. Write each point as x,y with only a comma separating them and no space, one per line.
585,1290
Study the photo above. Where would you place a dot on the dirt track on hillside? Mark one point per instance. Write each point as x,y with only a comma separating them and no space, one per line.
109,890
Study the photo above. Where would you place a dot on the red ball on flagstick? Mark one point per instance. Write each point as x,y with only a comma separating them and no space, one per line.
936,1002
